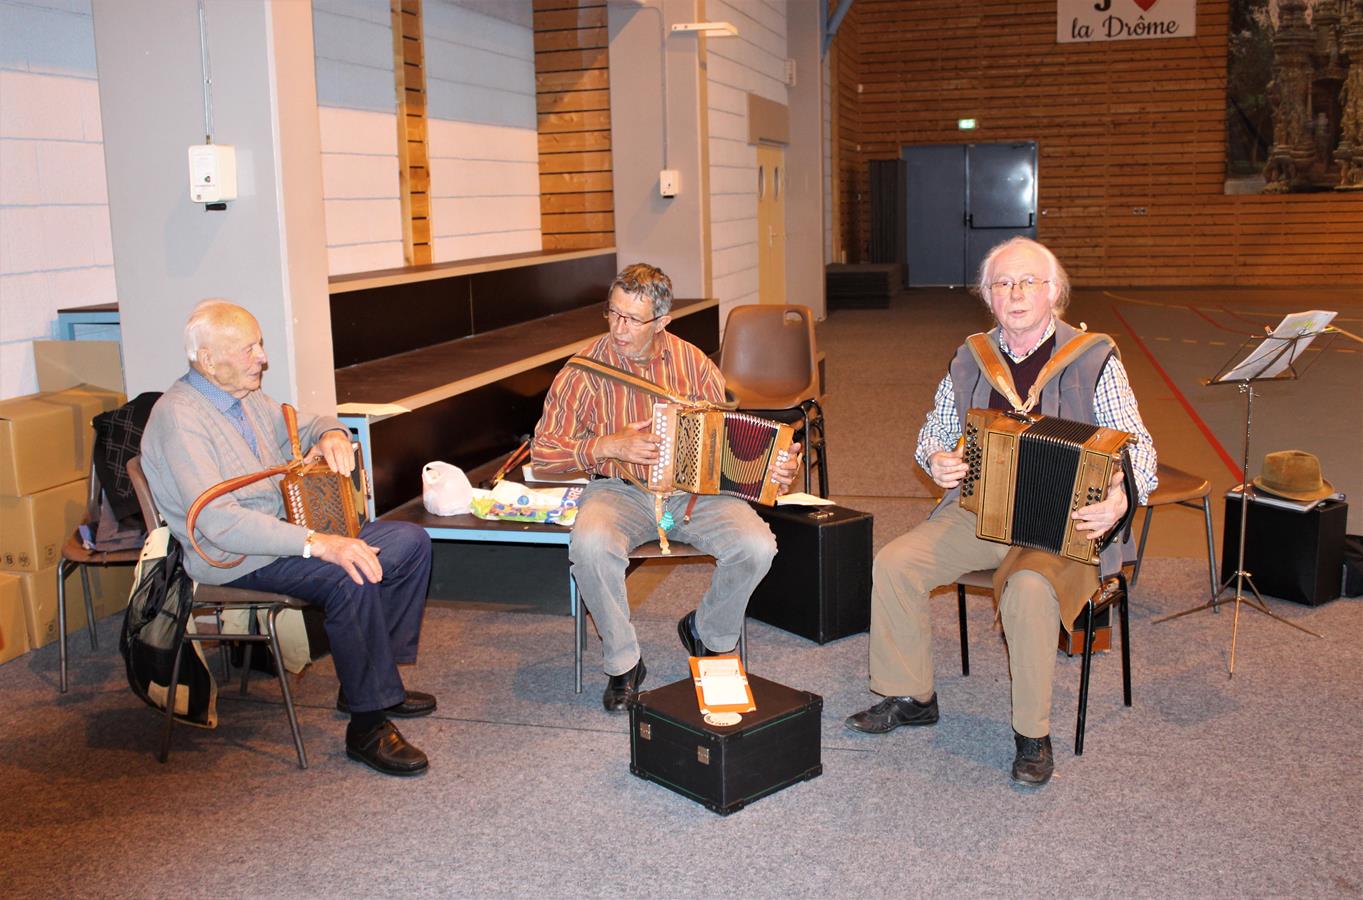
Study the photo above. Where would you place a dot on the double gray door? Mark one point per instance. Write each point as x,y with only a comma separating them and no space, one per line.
962,200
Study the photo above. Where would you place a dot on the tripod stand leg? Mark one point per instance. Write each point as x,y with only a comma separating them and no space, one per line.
1211,604
1262,607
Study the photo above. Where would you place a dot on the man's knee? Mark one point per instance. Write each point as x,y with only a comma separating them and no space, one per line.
901,562
1027,597
594,540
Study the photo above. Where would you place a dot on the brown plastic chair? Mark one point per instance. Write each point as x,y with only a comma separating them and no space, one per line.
771,366
1112,592
217,599
75,555
1184,489
651,550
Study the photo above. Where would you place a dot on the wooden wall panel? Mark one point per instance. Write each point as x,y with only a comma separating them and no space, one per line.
573,101
1118,125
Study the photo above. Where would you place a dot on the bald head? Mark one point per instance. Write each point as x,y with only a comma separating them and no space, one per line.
224,345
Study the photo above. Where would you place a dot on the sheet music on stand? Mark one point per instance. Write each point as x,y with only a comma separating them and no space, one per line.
1280,348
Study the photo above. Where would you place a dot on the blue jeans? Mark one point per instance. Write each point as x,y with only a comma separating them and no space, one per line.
372,627
615,517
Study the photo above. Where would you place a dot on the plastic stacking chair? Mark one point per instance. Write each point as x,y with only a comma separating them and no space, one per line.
770,365
217,599
1185,489
651,550
1112,592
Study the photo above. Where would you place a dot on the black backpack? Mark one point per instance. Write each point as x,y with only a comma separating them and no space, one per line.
158,611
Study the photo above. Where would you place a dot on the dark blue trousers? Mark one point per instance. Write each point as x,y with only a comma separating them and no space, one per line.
372,627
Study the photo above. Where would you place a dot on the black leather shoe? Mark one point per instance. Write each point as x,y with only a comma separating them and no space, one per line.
686,630
620,689
1034,762
384,749
890,713
413,706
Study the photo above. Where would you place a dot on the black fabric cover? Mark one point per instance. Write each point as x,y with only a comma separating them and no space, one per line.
118,438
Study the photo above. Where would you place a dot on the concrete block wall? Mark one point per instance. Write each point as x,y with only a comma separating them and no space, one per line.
482,141
55,247
753,62
357,113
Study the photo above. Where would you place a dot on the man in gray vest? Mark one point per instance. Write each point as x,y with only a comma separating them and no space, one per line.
1027,290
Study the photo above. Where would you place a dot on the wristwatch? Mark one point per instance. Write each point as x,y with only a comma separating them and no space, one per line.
307,545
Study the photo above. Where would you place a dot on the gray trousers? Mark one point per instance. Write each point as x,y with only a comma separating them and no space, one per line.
615,517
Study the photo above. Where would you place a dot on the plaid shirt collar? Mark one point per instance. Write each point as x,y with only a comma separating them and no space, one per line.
1017,358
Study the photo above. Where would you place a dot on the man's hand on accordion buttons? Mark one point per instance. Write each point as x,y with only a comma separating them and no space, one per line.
334,447
1097,519
634,443
359,559
783,472
948,467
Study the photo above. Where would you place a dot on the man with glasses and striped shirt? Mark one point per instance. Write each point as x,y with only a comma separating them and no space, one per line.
601,426
1027,290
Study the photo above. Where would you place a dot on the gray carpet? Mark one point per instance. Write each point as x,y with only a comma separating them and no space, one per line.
1207,787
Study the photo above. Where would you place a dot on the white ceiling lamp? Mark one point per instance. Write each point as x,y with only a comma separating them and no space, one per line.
713,29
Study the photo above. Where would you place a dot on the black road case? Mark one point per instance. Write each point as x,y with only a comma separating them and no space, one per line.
1297,556
725,768
819,586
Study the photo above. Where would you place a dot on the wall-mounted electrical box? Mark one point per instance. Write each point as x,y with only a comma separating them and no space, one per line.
212,173
669,182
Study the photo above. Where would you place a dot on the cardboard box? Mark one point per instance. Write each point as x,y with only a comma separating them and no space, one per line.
64,364
13,622
46,438
34,528
109,586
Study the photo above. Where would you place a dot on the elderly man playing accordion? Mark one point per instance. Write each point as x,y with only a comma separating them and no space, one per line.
602,426
1027,290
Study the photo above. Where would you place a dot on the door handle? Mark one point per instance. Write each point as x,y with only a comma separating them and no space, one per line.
1031,218
970,220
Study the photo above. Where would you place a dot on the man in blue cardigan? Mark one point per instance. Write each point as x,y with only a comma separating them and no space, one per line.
215,423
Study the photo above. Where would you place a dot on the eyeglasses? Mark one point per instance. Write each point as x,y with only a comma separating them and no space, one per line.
1029,285
610,314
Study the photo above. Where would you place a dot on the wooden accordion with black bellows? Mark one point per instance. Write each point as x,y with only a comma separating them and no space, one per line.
715,451
1027,473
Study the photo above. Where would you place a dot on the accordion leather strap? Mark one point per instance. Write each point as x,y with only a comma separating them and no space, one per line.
996,371
241,481
606,370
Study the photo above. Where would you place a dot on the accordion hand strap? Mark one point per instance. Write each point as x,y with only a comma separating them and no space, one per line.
239,482
605,370
1000,377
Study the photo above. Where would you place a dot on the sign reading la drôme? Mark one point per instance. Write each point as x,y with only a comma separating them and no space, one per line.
1123,20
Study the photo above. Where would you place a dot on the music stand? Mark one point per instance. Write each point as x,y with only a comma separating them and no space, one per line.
1269,358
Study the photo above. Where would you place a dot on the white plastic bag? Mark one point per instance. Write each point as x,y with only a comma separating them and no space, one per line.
445,489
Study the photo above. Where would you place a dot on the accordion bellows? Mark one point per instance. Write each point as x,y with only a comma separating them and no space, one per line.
1027,473
711,451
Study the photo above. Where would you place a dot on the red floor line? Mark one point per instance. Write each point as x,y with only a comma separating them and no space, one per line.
1215,324
1178,395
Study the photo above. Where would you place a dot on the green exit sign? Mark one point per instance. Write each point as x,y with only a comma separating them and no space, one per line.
965,124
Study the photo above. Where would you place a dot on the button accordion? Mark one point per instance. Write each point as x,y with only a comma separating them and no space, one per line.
713,451
1027,473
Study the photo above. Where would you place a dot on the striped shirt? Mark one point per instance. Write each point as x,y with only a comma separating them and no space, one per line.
1114,406
583,407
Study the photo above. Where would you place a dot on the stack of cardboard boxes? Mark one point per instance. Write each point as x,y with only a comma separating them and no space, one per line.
45,446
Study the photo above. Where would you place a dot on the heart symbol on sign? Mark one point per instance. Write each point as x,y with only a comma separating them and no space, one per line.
1146,4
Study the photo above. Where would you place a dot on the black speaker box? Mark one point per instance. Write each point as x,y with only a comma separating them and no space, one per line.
1292,555
819,586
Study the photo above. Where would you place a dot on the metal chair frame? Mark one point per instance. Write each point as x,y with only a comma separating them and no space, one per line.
1107,595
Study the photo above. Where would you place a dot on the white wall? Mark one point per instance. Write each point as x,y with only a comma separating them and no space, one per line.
753,62
482,143
55,249
357,114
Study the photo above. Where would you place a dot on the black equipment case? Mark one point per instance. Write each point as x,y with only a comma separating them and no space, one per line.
819,586
725,768
1297,556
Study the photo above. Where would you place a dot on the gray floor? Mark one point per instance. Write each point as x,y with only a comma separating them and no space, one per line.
1207,787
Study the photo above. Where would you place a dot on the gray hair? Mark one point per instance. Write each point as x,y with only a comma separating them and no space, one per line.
206,318
648,281
1059,278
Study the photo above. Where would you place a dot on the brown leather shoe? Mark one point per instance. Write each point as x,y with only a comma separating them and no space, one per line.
384,749
1034,763
413,706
